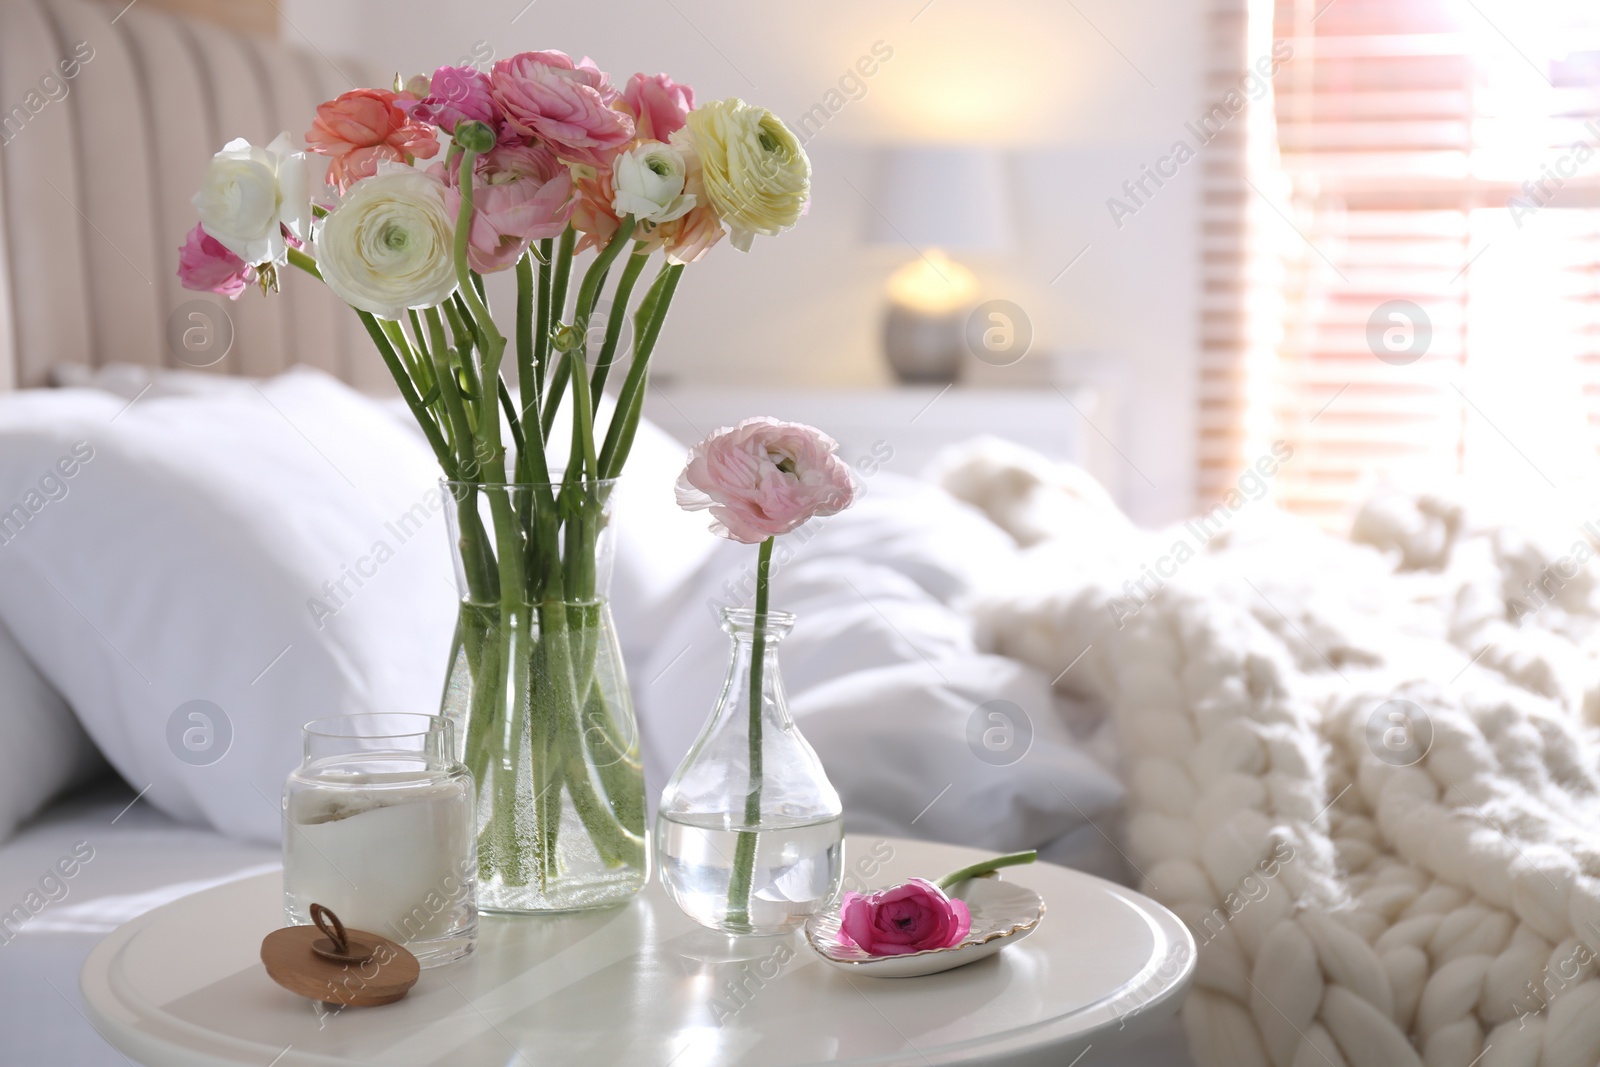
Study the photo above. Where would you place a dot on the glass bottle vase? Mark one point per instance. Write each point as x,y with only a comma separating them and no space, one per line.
750,834
537,691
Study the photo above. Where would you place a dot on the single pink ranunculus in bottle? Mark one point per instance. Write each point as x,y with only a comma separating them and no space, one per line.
906,918
659,105
363,127
566,105
763,478
206,266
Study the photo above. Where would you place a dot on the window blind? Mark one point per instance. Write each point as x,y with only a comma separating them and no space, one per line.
1435,193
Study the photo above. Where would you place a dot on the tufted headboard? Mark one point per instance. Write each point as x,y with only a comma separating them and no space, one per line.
96,172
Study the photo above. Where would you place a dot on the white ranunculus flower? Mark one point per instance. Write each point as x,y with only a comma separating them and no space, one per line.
249,193
389,244
649,183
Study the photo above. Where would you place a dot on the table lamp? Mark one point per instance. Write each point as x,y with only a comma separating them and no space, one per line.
933,200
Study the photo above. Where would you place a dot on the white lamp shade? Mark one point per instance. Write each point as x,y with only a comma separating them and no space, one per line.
940,196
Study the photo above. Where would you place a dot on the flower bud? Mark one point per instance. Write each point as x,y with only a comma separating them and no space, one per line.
474,136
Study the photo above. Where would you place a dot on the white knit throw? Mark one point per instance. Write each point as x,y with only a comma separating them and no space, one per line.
1356,902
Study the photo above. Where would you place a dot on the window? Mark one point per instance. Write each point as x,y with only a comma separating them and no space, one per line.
1414,293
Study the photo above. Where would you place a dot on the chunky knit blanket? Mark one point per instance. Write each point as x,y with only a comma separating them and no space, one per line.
1364,770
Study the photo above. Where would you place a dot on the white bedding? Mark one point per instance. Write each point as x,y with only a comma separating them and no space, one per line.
1365,771
139,859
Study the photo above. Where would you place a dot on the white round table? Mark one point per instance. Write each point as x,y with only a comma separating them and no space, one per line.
641,985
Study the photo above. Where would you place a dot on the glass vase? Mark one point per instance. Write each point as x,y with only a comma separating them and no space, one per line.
750,835
536,688
378,828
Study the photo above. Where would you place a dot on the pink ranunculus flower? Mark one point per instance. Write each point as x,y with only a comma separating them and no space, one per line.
363,127
519,194
912,917
763,478
659,105
457,93
206,266
566,105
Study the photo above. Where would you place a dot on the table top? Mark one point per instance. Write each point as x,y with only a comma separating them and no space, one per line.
640,984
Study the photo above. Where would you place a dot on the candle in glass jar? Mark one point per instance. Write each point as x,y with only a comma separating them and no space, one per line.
379,828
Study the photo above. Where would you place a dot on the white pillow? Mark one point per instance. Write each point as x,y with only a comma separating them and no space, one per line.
46,751
224,550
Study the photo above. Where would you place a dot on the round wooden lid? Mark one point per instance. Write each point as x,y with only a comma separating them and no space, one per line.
326,962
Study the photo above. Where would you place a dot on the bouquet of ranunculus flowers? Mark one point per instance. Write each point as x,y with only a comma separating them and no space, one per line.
430,186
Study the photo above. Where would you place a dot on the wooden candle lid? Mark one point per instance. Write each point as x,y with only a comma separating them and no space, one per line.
326,962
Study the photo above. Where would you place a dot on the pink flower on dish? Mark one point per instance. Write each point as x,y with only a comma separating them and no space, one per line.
363,127
206,266
564,104
519,194
659,105
912,917
457,93
763,478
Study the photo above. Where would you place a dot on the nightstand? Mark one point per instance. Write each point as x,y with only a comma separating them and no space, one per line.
902,427
182,986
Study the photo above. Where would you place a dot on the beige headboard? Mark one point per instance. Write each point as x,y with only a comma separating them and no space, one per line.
96,173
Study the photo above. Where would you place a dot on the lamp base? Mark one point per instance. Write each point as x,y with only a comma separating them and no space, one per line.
923,347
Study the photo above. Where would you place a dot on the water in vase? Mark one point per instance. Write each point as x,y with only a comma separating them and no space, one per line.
797,868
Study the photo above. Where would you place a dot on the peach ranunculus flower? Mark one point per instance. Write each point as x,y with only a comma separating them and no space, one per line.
659,105
519,194
688,238
567,105
363,127
685,239
592,214
763,478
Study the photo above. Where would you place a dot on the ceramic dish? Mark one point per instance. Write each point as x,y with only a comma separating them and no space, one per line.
1003,913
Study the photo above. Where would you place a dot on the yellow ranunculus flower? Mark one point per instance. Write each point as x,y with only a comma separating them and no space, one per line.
756,174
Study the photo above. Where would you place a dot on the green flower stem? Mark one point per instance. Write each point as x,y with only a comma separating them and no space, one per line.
583,452
615,843
1011,859
478,560
430,429
563,272
615,321
509,814
527,380
552,396
740,885
449,391
541,339
426,381
630,401
616,760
